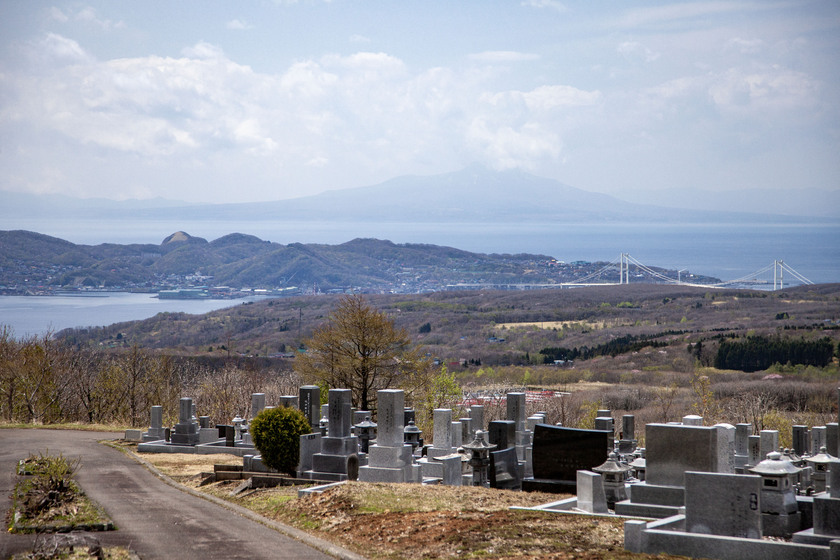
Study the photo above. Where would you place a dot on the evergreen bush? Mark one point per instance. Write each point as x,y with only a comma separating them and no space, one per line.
276,435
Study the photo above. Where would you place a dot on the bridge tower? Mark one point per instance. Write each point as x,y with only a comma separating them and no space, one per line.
624,269
778,275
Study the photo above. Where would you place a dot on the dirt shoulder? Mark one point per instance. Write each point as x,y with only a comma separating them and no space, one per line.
406,521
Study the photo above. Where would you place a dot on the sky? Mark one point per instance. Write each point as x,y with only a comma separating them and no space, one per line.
219,101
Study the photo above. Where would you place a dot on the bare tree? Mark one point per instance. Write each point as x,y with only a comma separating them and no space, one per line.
360,349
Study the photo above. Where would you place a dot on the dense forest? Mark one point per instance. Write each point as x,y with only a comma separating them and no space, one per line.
756,353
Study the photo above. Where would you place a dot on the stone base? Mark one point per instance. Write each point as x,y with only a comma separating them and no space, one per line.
652,500
208,435
781,525
430,468
154,434
808,536
384,474
183,439
323,476
388,464
549,486
133,435
629,509
347,465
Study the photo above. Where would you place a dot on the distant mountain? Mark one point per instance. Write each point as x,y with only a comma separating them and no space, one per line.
474,194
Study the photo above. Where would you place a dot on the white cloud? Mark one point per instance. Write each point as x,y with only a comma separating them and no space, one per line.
61,48
746,46
203,50
503,56
58,15
633,49
551,4
359,39
238,25
672,14
757,92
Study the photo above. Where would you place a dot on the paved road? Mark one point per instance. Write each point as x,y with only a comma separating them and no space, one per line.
153,518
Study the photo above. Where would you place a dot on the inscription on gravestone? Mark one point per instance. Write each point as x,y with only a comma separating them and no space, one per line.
723,504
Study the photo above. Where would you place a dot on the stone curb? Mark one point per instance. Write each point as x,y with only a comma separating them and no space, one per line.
302,536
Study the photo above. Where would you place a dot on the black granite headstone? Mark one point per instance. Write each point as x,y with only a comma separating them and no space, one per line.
558,453
504,470
502,433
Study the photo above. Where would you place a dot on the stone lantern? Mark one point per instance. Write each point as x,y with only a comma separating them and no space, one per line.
412,435
480,458
639,464
323,426
365,431
780,516
819,464
615,477
237,422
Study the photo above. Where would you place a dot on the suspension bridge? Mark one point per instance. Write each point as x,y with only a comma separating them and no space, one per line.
627,267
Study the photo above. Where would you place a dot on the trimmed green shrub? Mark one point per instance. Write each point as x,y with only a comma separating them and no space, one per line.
276,435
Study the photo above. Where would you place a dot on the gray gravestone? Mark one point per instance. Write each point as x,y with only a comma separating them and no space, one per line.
692,420
671,450
801,440
723,504
309,402
452,470
257,403
754,445
628,427
726,448
604,424
591,496
516,409
742,448
467,432
832,434
288,401
340,412
156,430
390,459
477,415
186,430
769,442
442,430
817,439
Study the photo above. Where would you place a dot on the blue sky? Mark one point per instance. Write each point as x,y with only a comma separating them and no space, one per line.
265,100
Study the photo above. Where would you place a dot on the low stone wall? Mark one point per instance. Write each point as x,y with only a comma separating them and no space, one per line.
667,536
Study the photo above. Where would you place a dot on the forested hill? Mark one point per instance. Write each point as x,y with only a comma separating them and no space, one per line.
31,262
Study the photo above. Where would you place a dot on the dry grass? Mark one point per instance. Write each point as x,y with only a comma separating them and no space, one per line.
407,521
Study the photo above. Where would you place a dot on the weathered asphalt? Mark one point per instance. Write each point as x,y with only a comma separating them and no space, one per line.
154,519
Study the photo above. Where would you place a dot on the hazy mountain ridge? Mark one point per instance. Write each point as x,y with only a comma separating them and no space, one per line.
471,194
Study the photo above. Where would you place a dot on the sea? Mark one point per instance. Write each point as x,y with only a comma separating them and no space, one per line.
725,251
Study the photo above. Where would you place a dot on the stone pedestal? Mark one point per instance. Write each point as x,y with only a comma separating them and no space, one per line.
186,430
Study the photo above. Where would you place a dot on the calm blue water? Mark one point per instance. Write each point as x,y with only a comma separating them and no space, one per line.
725,251
39,315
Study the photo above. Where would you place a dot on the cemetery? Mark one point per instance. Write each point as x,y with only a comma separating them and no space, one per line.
694,490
